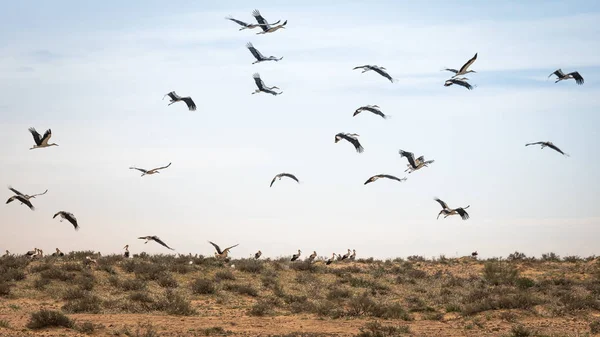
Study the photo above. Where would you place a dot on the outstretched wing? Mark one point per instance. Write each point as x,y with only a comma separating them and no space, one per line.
261,20
273,181
47,136
159,241
354,141
462,83
36,136
35,195
216,247
555,148
228,248
25,201
362,67
452,70
139,169
383,73
259,83
559,73
160,168
173,96
410,156
468,64
289,175
463,214
241,23
392,177
536,143
444,205
15,191
190,103
57,214
578,78
257,55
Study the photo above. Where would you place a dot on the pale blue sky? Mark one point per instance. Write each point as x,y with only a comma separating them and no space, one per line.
96,72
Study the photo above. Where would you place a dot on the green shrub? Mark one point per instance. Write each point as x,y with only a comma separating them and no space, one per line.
48,318
167,281
242,289
222,275
4,289
87,303
175,304
260,308
203,287
249,266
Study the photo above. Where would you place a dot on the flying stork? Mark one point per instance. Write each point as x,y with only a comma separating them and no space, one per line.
330,260
222,253
259,56
280,175
312,256
375,177
562,76
413,164
23,200
371,108
257,255
380,70
176,98
296,256
149,172
550,145
69,217
266,27
350,137
262,87
463,70
448,211
155,239
458,81
248,25
40,141
26,196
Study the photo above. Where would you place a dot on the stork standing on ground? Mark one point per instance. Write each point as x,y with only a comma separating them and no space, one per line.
31,252
378,176
280,175
155,239
40,141
371,108
562,76
550,145
38,254
176,98
266,27
126,253
296,256
458,81
263,88
474,254
413,164
257,255
6,254
380,70
222,253
353,256
259,56
330,260
350,137
69,217
58,253
447,211
312,256
149,172
347,255
464,69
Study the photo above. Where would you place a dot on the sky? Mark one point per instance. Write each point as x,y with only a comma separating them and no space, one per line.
96,73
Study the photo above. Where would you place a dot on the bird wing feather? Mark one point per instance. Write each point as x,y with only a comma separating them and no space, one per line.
468,64
409,156
261,20
216,247
159,241
139,169
25,201
15,191
444,205
190,103
239,22
578,78
36,136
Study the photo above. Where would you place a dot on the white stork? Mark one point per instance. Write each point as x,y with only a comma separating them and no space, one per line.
149,172
353,256
266,27
331,259
222,253
58,253
452,211
312,256
257,255
6,254
31,252
550,145
40,141
463,70
263,88
259,56
296,256
562,76
458,81
380,70
350,137
248,25
176,98
69,217
280,175
126,253
26,196
378,176
155,239
371,108
347,255
24,201
413,164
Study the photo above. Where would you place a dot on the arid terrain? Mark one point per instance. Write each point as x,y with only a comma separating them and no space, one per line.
195,296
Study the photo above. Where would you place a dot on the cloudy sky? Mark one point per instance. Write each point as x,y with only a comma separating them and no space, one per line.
95,74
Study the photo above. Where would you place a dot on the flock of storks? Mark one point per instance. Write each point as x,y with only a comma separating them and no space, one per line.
414,164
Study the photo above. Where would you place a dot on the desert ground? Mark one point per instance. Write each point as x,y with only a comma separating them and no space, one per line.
198,296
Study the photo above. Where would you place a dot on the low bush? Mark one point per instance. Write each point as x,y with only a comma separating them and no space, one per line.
203,286
224,275
174,304
249,266
242,289
48,318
